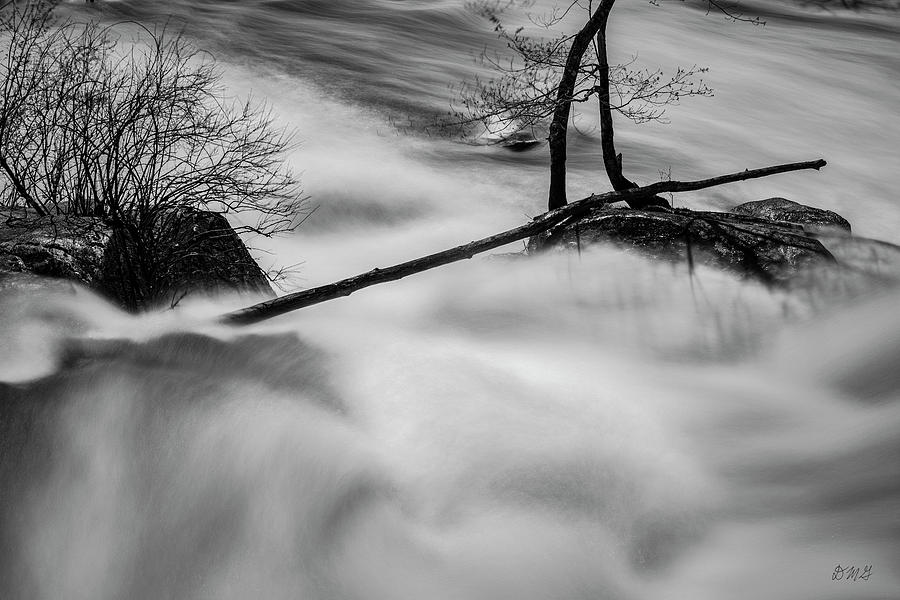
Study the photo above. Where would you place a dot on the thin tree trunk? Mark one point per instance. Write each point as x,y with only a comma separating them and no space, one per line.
345,287
565,91
612,160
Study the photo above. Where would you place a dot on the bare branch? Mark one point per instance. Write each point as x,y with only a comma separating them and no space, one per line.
345,287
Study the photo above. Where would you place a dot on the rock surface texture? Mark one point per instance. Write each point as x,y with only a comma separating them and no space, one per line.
781,209
70,249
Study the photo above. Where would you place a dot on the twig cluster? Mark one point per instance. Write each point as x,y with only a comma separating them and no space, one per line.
132,129
523,94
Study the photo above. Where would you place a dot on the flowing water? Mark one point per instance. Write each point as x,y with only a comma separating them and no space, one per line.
592,426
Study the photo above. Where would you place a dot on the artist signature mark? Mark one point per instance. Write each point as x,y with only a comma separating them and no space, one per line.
851,573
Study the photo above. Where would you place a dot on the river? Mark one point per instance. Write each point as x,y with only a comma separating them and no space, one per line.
593,426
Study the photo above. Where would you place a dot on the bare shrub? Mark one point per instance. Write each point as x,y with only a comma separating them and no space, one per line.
131,126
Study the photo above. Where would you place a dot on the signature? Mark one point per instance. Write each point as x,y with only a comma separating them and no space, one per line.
851,573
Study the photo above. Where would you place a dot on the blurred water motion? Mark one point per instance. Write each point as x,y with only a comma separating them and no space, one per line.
566,427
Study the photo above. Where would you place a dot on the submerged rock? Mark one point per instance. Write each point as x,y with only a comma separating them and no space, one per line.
201,253
520,141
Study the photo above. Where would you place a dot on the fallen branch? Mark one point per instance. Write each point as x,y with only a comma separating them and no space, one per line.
345,287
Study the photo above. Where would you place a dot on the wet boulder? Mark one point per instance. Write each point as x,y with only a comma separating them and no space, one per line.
768,250
782,243
781,209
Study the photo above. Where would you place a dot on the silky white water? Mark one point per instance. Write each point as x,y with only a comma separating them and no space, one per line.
593,426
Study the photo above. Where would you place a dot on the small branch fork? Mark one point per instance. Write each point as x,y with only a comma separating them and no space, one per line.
345,287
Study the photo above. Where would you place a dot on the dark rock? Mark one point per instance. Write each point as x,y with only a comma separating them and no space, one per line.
781,209
198,252
193,251
212,258
826,261
747,245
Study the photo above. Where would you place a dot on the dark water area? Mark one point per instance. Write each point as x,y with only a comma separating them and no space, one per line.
590,426
394,54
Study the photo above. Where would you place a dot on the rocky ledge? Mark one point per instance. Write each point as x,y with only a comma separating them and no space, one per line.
202,254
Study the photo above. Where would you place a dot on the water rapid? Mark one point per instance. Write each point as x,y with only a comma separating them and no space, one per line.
593,426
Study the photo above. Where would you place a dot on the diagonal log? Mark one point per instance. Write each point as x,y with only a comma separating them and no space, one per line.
345,287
